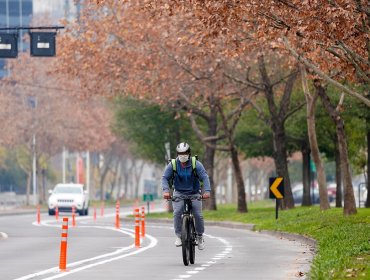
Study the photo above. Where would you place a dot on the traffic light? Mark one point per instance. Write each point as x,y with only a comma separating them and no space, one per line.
42,43
8,45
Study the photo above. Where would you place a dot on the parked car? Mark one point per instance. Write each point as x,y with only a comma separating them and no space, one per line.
67,195
297,192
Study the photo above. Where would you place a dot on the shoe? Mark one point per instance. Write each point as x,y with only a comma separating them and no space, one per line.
200,241
178,242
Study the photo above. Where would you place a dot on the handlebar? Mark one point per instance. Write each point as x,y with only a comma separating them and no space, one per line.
178,198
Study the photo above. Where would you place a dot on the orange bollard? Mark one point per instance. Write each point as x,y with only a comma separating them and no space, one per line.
73,217
56,213
137,228
102,209
63,246
94,214
38,214
143,221
117,215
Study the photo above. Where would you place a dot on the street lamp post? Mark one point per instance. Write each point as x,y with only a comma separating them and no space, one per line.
34,169
32,103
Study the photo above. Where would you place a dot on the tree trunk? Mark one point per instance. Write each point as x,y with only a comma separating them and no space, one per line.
280,158
338,177
138,171
242,203
306,198
311,129
278,115
367,203
349,197
102,187
209,160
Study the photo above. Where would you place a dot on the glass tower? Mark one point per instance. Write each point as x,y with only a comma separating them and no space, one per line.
15,13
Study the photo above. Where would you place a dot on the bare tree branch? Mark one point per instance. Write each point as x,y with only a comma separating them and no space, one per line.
244,82
205,139
340,103
297,108
323,75
189,106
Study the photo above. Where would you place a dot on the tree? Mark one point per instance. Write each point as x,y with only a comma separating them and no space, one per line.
311,129
148,127
155,68
329,37
43,105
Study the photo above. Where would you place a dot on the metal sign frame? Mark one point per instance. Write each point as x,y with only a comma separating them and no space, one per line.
42,43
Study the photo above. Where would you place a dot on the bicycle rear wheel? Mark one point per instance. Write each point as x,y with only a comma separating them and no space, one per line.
185,240
192,236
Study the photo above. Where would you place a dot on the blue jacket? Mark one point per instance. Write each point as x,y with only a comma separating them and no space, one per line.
184,181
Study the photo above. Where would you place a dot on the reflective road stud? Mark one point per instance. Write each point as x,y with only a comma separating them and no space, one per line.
63,246
137,228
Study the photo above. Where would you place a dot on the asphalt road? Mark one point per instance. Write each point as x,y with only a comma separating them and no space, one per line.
97,250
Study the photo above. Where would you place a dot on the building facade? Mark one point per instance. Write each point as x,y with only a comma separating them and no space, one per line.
26,13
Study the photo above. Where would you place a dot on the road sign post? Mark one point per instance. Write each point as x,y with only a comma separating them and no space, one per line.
148,197
276,188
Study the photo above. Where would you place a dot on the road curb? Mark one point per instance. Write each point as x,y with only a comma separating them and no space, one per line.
292,237
20,212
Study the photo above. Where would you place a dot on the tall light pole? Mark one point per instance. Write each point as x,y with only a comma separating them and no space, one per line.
32,102
34,169
64,165
88,172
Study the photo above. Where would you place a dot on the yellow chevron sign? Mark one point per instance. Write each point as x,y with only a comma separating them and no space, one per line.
276,187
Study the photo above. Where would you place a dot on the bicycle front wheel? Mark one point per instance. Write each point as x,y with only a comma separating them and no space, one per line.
185,240
192,236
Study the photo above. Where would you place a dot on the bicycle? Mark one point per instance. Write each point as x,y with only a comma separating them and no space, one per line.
188,233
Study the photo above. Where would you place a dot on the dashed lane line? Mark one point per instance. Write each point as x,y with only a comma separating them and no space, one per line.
107,257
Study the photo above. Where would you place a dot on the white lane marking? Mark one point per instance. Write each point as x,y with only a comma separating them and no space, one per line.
200,268
219,256
153,243
226,251
3,235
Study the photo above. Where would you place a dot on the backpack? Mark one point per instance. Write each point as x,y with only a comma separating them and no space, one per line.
174,170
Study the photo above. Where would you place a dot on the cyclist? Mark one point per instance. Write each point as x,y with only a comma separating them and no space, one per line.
186,184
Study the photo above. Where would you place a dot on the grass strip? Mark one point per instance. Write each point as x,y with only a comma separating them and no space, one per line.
343,243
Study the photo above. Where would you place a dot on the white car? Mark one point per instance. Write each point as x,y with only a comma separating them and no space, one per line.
67,195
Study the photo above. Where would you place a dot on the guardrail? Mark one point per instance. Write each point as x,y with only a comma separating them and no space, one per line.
10,200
